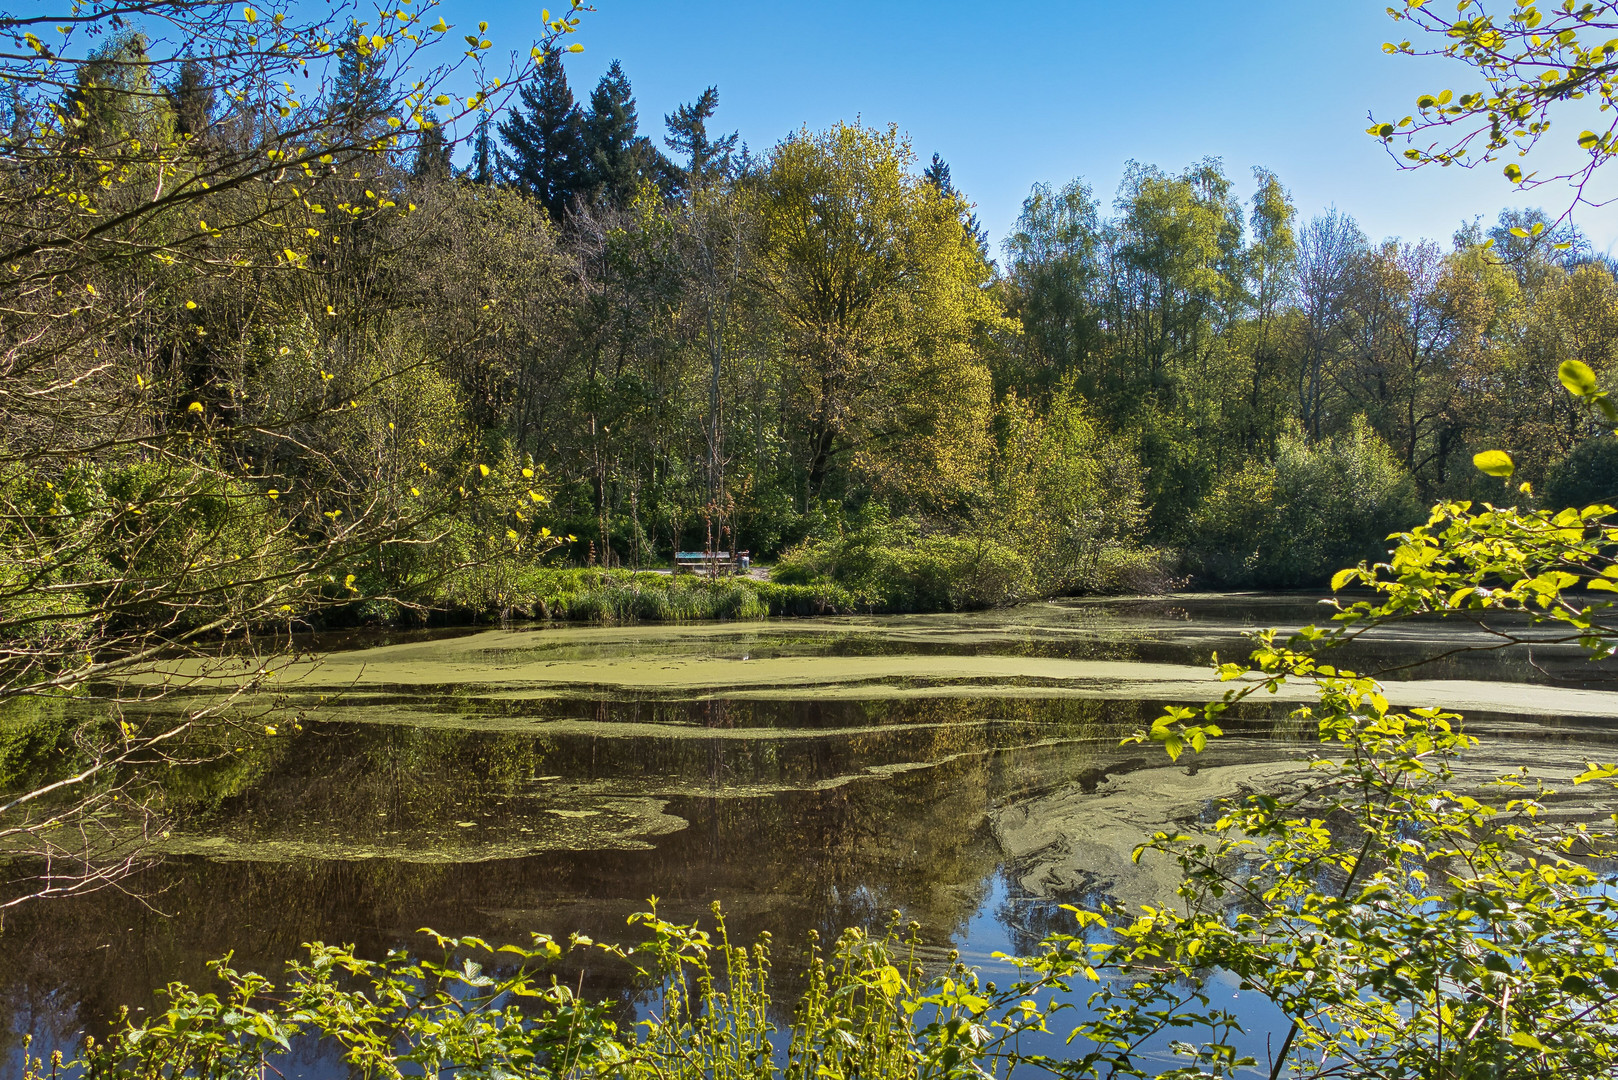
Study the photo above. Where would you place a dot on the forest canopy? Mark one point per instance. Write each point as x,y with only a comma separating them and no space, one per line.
672,341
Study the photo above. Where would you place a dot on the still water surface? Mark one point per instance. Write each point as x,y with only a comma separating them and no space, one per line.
964,770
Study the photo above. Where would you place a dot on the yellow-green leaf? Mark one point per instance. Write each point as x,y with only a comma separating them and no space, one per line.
1578,378
1495,463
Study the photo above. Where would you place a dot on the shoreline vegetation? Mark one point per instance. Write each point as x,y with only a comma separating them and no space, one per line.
941,577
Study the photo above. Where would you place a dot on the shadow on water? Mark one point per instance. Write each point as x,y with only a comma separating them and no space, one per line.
507,783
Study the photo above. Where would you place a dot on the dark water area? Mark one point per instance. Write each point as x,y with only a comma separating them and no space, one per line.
963,770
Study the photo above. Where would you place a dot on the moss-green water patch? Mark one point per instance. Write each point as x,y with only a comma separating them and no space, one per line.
609,823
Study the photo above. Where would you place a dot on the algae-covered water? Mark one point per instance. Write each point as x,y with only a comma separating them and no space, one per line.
964,770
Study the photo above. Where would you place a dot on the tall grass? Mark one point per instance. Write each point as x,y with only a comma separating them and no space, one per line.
616,597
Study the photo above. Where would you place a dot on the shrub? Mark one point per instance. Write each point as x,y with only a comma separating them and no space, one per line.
572,594
818,598
889,565
105,535
1065,494
1316,507
1588,475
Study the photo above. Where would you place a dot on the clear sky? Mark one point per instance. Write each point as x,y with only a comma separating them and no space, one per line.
1043,90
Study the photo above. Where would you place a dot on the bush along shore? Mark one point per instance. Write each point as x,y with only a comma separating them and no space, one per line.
849,574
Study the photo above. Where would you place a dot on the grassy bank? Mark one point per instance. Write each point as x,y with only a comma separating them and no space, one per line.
884,567
945,575
626,596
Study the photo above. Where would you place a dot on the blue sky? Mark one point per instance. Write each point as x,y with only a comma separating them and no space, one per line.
1046,91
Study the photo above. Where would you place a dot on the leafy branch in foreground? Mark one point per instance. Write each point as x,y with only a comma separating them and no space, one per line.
1533,61
1407,923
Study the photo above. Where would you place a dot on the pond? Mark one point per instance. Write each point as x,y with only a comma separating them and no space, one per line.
964,770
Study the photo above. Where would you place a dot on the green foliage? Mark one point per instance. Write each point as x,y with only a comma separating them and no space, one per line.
109,539
1064,494
489,1012
1588,475
892,565
1407,925
623,596
1315,507
876,289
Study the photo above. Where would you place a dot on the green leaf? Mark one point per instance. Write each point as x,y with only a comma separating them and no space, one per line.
1495,463
1342,577
1578,378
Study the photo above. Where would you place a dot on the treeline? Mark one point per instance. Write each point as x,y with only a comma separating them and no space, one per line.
1294,390
813,352
810,353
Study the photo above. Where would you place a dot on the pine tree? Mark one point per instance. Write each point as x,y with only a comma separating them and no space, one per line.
545,151
191,99
482,168
617,157
609,138
688,135
432,153
361,96
937,174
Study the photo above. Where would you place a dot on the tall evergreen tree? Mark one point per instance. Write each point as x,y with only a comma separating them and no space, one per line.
617,157
432,153
937,174
482,168
191,99
544,149
610,134
361,94
688,135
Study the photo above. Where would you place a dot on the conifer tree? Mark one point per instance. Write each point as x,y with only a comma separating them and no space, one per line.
192,100
544,155
361,94
432,154
688,135
484,153
617,157
937,174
